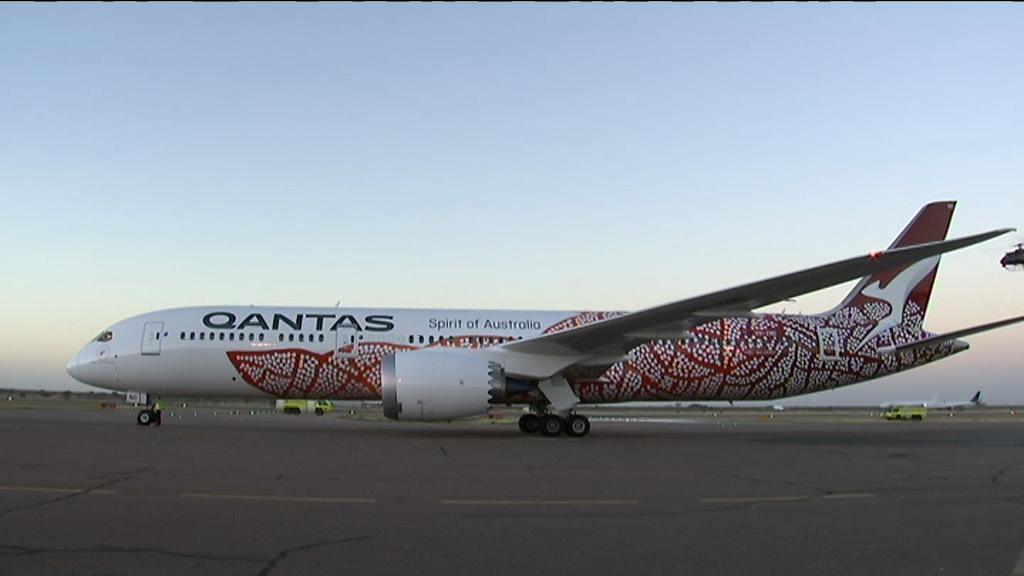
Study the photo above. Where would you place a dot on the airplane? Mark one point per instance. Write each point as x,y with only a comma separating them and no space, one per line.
936,404
442,365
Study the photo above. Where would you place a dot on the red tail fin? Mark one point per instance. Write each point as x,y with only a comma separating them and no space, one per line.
906,289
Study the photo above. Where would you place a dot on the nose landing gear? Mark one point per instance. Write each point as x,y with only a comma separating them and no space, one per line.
150,415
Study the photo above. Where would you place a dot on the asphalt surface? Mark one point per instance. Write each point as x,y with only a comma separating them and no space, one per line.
240,493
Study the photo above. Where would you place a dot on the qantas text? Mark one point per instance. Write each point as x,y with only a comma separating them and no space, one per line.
229,321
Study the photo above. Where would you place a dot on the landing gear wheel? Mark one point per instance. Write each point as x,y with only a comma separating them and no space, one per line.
319,411
551,425
577,426
529,423
145,417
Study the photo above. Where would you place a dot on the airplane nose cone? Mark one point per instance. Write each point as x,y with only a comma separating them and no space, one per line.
73,366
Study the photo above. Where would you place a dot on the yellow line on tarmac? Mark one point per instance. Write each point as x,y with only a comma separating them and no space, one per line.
57,490
542,502
280,498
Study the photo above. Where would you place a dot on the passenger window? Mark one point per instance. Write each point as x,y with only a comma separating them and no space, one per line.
231,336
262,335
221,336
202,335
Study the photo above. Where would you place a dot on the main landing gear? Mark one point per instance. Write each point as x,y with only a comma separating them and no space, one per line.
573,425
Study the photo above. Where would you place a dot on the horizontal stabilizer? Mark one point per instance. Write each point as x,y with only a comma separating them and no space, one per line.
957,334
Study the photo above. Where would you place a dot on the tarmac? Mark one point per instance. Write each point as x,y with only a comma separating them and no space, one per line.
236,491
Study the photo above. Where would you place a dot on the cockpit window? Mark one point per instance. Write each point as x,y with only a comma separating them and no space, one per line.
105,336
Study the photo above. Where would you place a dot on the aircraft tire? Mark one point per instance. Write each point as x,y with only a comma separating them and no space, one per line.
577,426
319,411
551,425
529,423
145,417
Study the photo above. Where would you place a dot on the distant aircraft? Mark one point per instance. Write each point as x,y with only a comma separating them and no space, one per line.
936,404
429,364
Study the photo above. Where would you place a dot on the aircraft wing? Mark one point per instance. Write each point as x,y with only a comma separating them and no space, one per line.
611,338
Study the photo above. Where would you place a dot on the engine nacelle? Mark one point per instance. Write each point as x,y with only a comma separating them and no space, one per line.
439,384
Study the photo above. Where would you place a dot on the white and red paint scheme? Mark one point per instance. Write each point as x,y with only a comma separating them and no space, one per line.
449,364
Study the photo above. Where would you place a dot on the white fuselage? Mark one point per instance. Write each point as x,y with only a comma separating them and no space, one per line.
336,353
186,350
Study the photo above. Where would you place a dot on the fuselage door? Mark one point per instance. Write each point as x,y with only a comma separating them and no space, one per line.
830,343
346,343
151,335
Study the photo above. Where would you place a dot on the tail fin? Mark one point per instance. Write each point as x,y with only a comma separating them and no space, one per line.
976,399
900,295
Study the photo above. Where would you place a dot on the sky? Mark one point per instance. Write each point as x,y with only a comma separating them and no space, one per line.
500,155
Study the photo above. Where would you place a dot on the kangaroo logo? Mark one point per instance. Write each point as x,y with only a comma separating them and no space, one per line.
896,293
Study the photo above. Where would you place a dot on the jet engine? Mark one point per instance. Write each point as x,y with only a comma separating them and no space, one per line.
440,384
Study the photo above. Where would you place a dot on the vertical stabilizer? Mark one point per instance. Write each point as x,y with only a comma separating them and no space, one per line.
900,295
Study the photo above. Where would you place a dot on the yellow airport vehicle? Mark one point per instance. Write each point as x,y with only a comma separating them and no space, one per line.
292,406
905,413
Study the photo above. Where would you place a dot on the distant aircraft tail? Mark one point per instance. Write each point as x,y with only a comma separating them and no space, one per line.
976,399
899,296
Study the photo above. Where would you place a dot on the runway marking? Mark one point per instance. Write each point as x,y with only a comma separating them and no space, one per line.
1018,569
57,490
280,498
783,498
543,502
